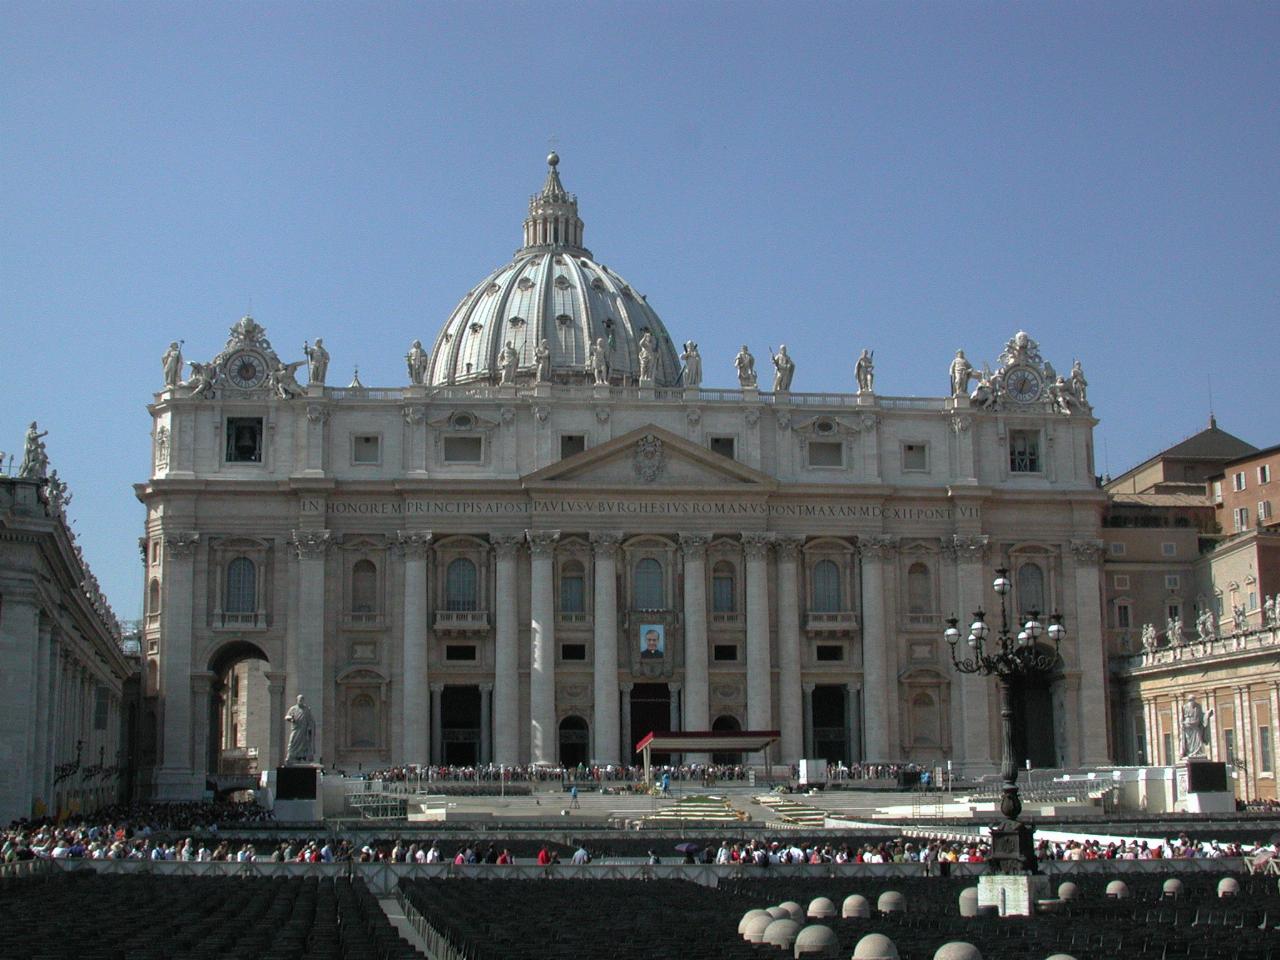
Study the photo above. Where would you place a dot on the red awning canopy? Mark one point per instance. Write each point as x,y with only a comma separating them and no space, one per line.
708,741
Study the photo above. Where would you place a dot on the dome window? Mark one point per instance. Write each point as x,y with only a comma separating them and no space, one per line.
525,284
824,426
562,282
564,319
627,291
516,321
491,289
559,259
462,421
476,326
597,284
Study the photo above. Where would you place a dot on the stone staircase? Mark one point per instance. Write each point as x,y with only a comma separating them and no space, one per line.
790,810
699,809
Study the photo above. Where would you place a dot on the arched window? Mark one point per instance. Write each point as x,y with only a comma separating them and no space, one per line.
242,582
826,587
153,597
364,722
460,585
926,720
1030,588
364,587
919,589
723,599
573,588
648,587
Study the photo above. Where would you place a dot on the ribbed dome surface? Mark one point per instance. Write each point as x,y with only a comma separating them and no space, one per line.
551,291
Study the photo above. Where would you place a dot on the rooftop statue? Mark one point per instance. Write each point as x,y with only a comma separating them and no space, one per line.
784,368
317,361
864,371
647,356
202,379
172,363
989,394
961,373
1079,385
542,361
692,365
745,364
283,381
599,363
1149,639
416,361
1207,625
508,364
35,461
1173,630
1020,349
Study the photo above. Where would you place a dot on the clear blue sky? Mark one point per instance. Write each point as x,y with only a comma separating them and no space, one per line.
910,178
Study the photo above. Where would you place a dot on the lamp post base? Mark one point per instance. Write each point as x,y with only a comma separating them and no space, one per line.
1013,849
1013,896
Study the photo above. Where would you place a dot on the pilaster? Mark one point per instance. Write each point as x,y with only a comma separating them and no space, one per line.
506,654
607,737
542,659
759,681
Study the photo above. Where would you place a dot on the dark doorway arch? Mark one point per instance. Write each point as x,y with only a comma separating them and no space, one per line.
575,741
239,742
650,713
725,723
460,725
1035,725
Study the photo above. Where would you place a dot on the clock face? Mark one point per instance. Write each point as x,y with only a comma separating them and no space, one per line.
246,369
1023,384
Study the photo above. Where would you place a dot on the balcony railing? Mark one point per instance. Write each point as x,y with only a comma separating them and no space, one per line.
730,618
924,621
363,620
840,621
242,621
462,621
566,616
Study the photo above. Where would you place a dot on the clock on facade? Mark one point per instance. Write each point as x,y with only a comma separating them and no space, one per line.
246,369
1023,384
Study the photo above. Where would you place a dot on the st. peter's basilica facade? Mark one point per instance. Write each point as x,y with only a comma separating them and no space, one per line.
553,539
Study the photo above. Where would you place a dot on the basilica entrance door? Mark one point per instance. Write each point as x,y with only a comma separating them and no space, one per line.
830,730
1033,722
460,720
650,711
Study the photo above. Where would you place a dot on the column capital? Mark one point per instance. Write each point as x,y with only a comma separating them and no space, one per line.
756,544
853,686
694,545
542,543
486,687
275,680
181,544
437,687
809,687
674,686
625,687
605,543
311,544
414,543
505,545
878,546
789,545
1087,552
969,549
201,681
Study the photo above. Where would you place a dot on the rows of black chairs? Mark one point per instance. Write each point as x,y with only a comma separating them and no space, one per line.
85,916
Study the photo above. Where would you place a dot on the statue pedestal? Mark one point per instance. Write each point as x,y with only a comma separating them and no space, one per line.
600,391
1204,786
507,390
415,391
646,390
542,389
692,393
295,792
751,393
1013,894
866,399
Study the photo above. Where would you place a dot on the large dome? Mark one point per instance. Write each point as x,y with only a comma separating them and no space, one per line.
553,290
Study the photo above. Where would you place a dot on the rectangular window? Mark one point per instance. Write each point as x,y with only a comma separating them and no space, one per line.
573,593
1174,611
1122,581
1024,451
1229,744
1253,600
1241,517
722,446
100,704
1124,619
1169,549
826,453
571,444
1264,509
1116,549
460,651
1237,481
573,651
915,456
725,652
244,439
1264,750
366,448
463,449
829,652
722,594
1172,581
1264,473
1217,491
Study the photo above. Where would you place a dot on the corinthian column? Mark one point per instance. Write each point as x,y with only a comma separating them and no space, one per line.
542,659
605,621
879,697
790,705
974,735
416,692
174,779
506,655
1086,630
311,546
759,693
697,708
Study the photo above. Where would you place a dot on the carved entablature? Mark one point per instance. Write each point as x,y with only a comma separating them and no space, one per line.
694,545
414,544
414,414
506,546
878,546
1087,551
756,545
181,545
972,549
462,421
542,543
789,546
317,413
311,544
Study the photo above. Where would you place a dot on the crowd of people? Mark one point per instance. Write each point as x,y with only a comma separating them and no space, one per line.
1179,848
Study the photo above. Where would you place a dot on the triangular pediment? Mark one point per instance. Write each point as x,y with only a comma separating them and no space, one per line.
649,457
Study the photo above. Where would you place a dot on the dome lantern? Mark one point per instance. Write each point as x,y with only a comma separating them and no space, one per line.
553,220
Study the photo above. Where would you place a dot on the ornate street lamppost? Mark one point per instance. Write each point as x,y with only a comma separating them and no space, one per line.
1007,657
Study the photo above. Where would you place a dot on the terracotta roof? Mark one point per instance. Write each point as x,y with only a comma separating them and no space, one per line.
1160,500
1209,444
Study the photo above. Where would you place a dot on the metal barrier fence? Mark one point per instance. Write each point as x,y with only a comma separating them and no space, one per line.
383,878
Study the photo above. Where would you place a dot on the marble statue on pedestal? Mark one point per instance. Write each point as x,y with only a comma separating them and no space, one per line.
1269,610
508,364
1079,385
317,361
864,371
302,733
784,368
961,373
1195,731
745,364
648,356
1173,629
1207,625
1240,616
692,365
599,361
989,394
1060,396
172,363
35,461
416,361
1149,639
202,378
283,380
542,362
